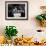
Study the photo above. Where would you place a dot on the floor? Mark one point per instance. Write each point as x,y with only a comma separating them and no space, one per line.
31,45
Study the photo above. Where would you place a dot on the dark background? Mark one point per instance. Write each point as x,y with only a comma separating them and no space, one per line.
18,6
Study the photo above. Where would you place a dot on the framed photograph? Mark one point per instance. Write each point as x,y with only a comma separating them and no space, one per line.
17,10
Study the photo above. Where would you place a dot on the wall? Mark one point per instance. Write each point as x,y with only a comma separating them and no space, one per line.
25,27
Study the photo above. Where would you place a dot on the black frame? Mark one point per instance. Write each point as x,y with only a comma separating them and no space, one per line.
15,19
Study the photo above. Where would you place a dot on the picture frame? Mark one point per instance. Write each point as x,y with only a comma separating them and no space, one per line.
16,10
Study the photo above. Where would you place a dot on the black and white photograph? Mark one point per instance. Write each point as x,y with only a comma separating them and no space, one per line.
16,10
